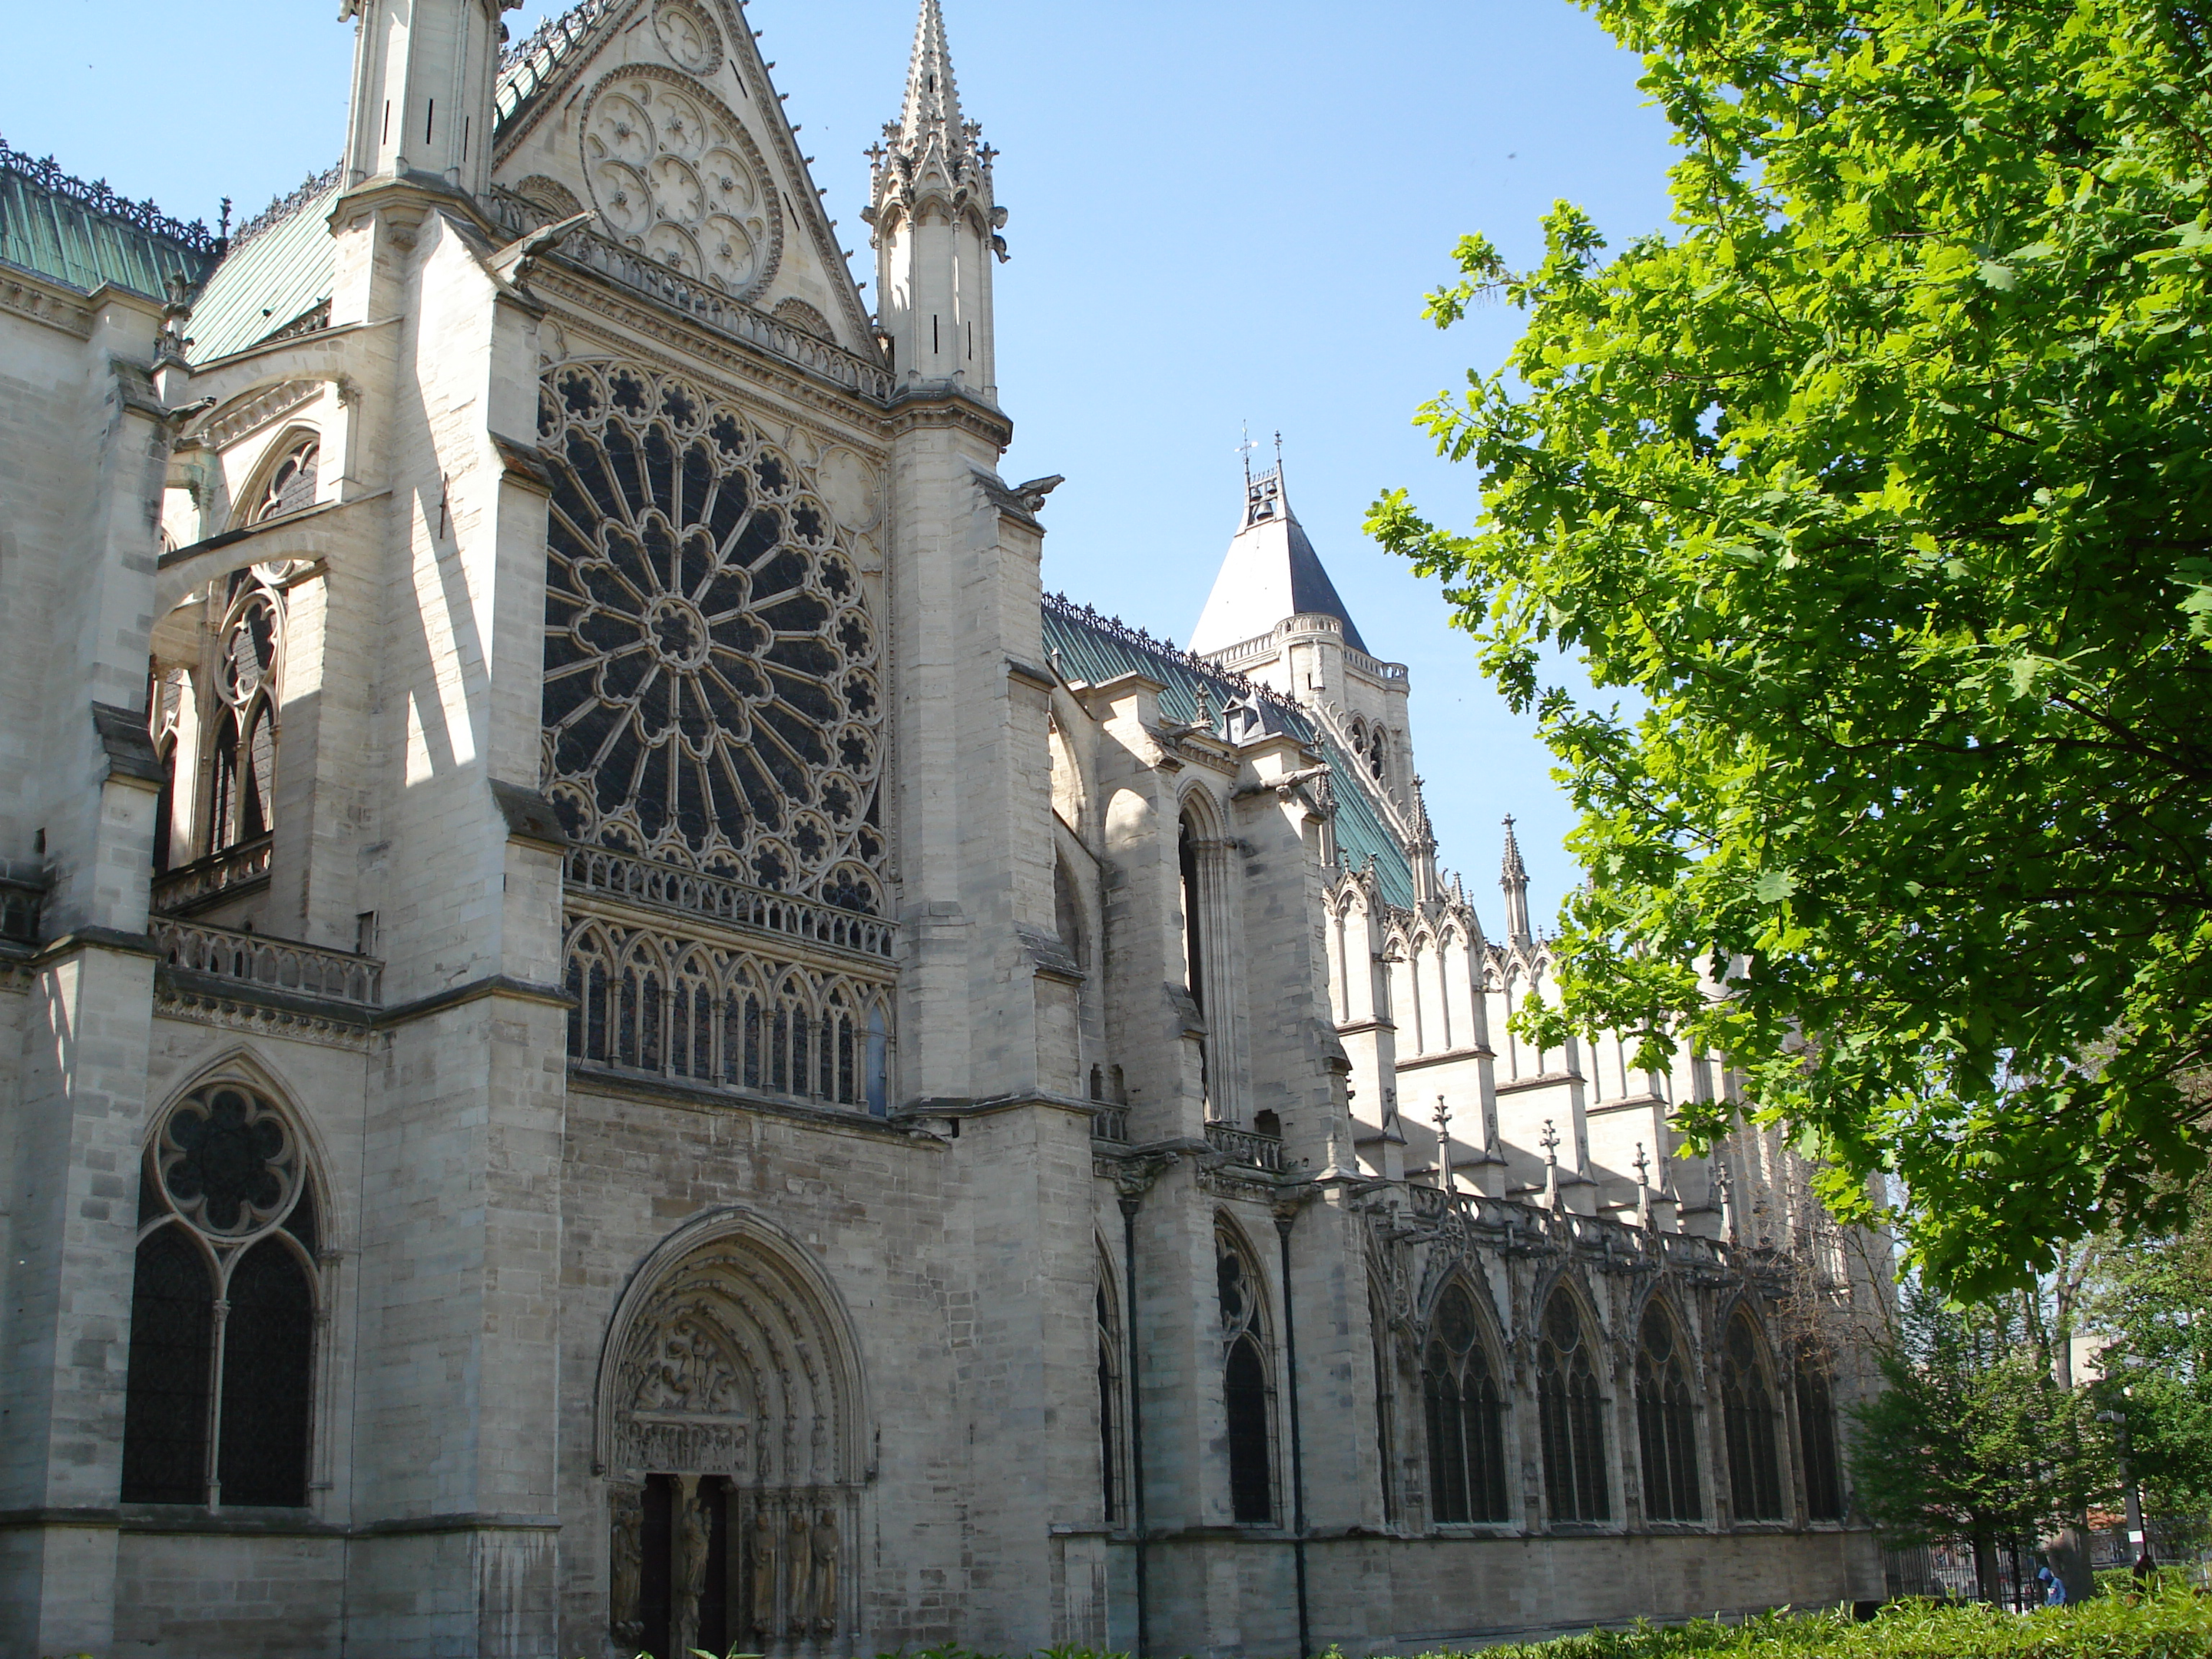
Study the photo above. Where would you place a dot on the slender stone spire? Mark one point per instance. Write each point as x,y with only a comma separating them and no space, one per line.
1514,880
932,101
935,225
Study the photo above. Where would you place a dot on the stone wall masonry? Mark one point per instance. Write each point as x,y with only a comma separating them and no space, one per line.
873,1207
184,1596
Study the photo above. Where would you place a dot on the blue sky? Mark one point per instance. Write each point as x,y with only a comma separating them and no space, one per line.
1222,211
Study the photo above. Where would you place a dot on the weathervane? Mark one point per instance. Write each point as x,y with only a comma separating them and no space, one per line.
1244,450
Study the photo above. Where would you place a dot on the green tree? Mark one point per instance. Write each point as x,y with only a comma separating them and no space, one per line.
2150,1306
1882,483
1973,1437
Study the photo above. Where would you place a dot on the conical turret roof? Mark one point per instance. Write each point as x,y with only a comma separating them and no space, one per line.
1270,572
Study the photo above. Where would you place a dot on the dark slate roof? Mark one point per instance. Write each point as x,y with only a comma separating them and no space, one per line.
1085,646
85,235
1311,588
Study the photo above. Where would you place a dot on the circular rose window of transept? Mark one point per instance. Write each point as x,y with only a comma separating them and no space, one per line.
713,697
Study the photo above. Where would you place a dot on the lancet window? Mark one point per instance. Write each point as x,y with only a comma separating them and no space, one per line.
1112,1492
1571,1417
1245,1388
713,697
1748,1410
649,1004
217,1403
242,782
1466,1413
1816,1439
1666,1422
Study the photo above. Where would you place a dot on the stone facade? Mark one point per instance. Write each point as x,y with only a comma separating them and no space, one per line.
615,1033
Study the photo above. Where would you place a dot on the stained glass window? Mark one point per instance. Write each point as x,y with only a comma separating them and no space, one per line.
1244,1386
1465,1415
713,694
1747,1405
1816,1434
1571,1417
1665,1423
228,1221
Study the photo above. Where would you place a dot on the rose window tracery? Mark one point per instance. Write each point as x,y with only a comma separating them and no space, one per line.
675,177
713,697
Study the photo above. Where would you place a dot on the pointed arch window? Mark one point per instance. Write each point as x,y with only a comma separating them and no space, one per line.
1245,1388
1111,1485
1465,1411
1666,1422
242,790
1748,1408
1571,1417
291,485
1816,1435
223,1309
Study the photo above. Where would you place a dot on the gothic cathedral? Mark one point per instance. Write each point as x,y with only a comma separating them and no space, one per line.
617,1036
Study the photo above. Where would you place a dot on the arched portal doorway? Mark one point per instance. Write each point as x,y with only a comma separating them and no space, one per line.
728,1433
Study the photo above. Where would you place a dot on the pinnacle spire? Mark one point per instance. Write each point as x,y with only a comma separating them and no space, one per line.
932,101
1514,878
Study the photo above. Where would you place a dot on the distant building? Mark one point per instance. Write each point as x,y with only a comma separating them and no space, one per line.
614,1034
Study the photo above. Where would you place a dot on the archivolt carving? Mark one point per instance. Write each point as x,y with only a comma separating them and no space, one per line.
728,1357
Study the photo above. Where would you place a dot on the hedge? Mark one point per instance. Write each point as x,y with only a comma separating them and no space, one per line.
2171,1622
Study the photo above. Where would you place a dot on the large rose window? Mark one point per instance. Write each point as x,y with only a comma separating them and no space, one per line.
712,693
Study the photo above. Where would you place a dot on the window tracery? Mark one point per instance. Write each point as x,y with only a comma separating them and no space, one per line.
1665,1423
1465,1412
1245,1383
713,694
242,752
1570,1412
1816,1434
1111,1495
1748,1407
291,484
726,1017
223,1308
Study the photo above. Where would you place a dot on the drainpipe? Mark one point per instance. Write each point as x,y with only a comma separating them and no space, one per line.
1284,1221
1129,1202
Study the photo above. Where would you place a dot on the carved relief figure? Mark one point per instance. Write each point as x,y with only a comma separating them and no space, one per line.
763,1590
626,1518
825,1574
694,1532
796,1571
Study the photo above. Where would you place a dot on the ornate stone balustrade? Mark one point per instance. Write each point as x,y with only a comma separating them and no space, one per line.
277,965
1261,1152
595,870
218,876
1601,1233
1111,1123
704,303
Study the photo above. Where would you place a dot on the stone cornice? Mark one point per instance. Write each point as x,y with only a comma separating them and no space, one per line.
36,298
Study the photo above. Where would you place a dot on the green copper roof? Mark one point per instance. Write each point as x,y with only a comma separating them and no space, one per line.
86,236
278,271
1085,646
